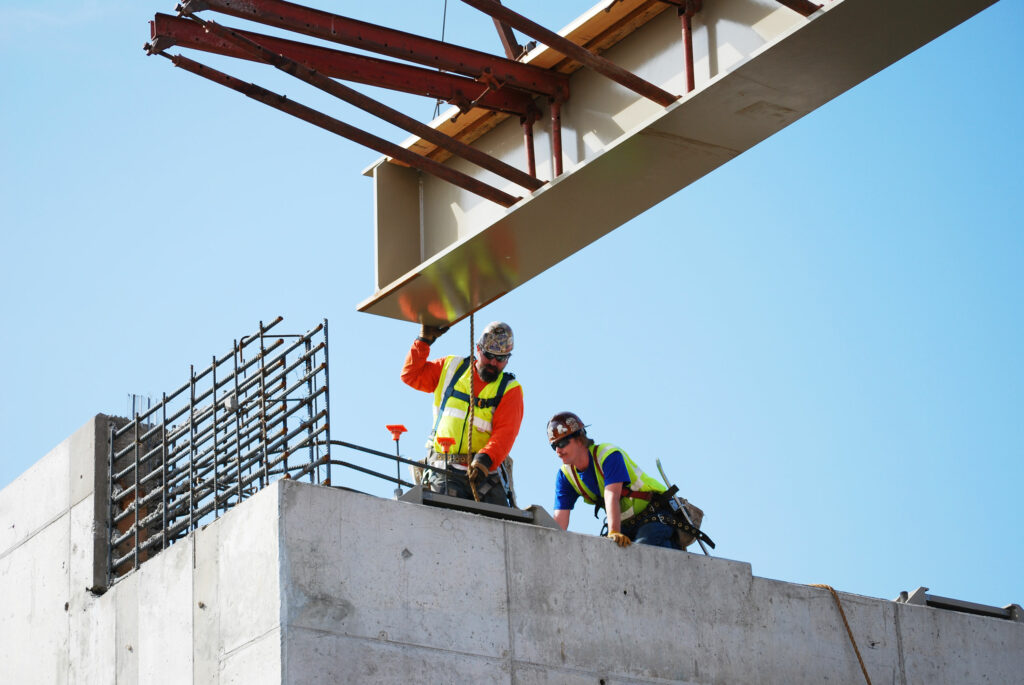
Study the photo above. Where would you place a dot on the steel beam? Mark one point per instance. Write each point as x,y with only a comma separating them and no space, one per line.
344,130
385,41
599,64
167,31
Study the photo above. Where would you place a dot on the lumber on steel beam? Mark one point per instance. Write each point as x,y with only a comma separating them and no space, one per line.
385,41
463,92
804,7
368,104
599,64
344,130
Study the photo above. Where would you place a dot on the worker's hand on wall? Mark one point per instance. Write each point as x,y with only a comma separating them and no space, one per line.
431,333
620,539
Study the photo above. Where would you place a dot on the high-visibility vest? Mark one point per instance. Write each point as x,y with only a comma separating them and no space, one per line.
639,482
454,419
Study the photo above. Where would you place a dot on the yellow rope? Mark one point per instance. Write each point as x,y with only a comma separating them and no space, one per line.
472,360
849,632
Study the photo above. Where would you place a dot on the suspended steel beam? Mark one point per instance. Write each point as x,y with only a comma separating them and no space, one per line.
463,92
385,41
344,130
599,64
372,106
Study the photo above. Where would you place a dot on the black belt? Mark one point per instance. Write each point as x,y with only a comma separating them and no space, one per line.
661,512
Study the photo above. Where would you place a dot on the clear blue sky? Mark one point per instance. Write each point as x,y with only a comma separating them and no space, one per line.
821,340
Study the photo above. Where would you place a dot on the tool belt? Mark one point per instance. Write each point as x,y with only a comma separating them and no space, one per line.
662,509
438,459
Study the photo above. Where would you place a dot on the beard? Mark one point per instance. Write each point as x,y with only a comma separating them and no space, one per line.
489,374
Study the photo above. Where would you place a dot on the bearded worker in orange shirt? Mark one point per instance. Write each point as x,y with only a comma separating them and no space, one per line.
478,453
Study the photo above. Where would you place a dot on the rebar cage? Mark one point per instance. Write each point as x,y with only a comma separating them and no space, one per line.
255,415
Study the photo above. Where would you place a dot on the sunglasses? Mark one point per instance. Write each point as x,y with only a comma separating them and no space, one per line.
559,444
497,357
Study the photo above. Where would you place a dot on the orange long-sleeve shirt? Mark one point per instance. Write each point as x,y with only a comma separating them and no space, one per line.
424,375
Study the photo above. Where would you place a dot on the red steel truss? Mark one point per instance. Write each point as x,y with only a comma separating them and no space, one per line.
460,76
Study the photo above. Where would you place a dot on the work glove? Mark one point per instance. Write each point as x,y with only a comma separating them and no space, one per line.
429,334
620,539
478,470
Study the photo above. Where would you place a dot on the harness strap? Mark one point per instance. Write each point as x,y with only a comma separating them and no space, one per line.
626,491
481,403
661,511
460,369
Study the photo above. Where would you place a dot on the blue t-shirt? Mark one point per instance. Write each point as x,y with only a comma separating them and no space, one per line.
614,472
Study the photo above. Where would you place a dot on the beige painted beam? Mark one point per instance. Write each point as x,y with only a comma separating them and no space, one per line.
443,253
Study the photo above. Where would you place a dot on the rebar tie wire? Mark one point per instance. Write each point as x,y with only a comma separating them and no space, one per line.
846,623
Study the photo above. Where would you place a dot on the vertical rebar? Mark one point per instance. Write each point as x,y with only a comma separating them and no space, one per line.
135,502
213,372
327,407
163,472
238,424
191,445
314,474
111,513
263,410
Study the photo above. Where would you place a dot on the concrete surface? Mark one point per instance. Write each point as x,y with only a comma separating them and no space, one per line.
309,584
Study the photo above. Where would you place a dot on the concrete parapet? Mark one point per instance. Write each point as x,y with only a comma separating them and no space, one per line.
310,584
378,591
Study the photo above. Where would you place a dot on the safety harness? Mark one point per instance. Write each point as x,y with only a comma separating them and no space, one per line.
659,508
503,473
599,501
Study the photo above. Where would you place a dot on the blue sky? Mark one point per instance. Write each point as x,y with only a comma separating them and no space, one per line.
820,340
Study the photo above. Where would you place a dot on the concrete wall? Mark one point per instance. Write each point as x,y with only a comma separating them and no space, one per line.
206,610
308,584
387,592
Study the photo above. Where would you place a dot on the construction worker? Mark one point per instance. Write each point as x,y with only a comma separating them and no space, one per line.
496,415
604,476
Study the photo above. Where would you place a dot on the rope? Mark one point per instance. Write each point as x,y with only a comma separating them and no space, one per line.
444,23
472,400
849,632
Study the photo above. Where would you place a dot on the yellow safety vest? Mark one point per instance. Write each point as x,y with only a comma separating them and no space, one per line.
454,419
638,481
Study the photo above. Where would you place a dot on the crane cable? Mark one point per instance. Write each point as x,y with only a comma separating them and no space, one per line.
444,23
472,402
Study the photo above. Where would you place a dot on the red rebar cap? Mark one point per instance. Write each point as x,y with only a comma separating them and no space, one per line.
445,443
396,430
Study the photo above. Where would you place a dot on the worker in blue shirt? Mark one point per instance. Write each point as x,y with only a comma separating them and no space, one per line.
604,476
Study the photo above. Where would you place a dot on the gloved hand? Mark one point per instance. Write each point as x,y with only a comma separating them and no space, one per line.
478,470
620,539
431,333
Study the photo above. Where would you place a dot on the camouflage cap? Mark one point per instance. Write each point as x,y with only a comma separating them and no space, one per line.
496,338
